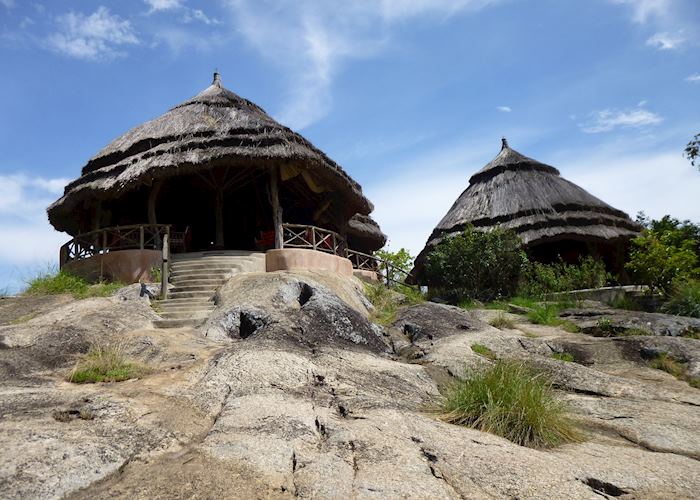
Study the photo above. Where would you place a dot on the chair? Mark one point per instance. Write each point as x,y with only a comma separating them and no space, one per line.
180,240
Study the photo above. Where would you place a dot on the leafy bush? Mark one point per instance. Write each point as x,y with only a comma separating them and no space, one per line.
539,279
513,401
667,251
104,364
484,351
398,261
481,265
52,283
684,299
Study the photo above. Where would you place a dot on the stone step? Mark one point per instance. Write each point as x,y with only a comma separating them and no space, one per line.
184,300
203,274
177,323
185,315
208,304
214,266
218,253
196,280
194,288
195,294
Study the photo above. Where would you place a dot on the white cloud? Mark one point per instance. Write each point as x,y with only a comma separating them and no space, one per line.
694,78
198,15
157,5
92,37
608,120
644,10
7,3
312,39
665,41
504,109
29,242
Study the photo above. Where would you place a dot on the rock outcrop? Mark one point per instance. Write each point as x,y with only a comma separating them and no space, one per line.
289,390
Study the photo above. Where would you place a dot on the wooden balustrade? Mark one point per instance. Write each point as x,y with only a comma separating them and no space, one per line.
313,238
132,237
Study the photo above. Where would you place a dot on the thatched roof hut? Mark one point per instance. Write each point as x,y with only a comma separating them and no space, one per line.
364,234
553,216
189,166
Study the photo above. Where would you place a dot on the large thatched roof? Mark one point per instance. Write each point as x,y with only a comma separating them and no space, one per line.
532,199
364,233
214,128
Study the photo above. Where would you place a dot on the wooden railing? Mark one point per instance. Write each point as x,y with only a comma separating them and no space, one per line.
140,236
313,238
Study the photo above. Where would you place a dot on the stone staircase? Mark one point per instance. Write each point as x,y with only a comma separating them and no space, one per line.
195,278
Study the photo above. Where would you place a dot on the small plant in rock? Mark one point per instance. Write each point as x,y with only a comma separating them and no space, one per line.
156,273
104,364
484,351
667,363
511,400
545,314
502,322
564,356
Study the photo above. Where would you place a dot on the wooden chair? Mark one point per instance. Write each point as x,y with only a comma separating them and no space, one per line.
180,240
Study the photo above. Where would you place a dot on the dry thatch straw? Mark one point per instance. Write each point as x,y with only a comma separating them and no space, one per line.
215,128
532,199
364,234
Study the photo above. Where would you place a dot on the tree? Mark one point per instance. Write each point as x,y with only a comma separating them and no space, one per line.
692,150
398,261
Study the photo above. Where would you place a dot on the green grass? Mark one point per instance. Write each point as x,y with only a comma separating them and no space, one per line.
511,400
564,356
501,321
104,364
53,283
384,302
684,299
548,314
667,363
484,351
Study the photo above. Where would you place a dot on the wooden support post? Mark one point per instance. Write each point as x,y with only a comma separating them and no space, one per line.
141,237
152,199
219,215
165,271
276,208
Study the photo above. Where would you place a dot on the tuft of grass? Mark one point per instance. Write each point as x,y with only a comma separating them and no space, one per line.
564,356
545,314
501,321
511,400
684,299
669,364
385,303
483,351
104,364
49,283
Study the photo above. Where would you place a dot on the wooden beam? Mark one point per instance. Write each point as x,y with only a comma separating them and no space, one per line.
276,208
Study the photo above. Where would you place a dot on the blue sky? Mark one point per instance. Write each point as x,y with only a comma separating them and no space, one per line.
410,96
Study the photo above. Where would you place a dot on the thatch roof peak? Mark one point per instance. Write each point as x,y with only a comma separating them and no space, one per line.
509,159
215,128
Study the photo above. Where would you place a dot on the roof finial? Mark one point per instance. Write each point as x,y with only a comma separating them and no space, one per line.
504,143
217,78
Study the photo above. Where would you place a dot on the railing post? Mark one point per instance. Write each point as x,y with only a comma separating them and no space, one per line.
141,237
164,271
313,237
104,241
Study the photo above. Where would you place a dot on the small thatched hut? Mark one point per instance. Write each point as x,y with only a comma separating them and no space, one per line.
220,173
553,217
364,234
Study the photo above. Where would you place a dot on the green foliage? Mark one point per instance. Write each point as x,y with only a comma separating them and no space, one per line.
501,321
564,356
513,401
666,252
52,283
539,279
398,261
483,351
692,149
104,364
156,273
481,265
684,299
545,314
669,364
385,303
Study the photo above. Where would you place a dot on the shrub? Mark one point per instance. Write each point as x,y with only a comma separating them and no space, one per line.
539,279
52,283
104,364
502,321
684,299
564,356
667,251
481,265
484,351
513,401
399,261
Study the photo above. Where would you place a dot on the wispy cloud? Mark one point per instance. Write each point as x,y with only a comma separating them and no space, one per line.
607,120
7,3
645,10
694,78
23,200
666,41
504,109
192,15
93,37
156,5
312,39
